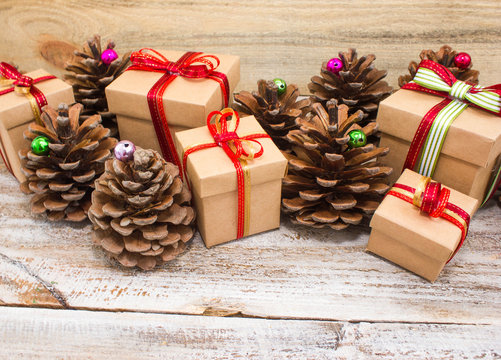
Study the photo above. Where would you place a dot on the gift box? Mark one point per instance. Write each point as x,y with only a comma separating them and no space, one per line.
186,101
16,114
214,184
470,156
414,239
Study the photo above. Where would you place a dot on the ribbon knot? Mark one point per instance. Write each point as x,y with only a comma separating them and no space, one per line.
224,138
459,90
433,200
430,197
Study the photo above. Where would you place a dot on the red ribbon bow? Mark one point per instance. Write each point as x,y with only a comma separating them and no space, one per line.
192,65
9,72
22,84
239,149
433,200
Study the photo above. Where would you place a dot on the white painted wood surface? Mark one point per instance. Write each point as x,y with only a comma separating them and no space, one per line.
69,334
316,283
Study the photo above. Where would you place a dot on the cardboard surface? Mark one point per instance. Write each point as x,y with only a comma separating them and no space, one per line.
470,150
187,102
214,184
16,115
433,240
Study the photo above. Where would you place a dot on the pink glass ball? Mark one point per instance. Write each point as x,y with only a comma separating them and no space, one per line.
462,60
335,65
124,150
108,56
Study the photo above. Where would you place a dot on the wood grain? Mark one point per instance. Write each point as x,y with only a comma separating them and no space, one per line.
42,334
292,272
287,39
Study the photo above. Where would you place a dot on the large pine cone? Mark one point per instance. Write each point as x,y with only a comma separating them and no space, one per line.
276,113
329,184
89,76
359,85
63,180
141,211
445,56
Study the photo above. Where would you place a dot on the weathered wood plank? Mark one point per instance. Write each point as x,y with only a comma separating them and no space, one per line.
289,39
69,334
292,272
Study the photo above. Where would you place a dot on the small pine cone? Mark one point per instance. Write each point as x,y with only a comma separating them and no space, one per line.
276,113
141,211
445,56
63,180
329,184
89,76
359,85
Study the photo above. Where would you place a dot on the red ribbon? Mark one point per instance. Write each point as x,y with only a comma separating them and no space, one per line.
233,146
9,72
434,201
192,65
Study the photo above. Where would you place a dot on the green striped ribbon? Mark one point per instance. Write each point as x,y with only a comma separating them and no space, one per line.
459,92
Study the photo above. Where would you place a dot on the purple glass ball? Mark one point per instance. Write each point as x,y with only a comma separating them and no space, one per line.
462,60
335,65
124,150
108,56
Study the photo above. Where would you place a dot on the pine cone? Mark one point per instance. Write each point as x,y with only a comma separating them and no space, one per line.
89,76
445,56
359,85
63,180
329,184
141,211
276,113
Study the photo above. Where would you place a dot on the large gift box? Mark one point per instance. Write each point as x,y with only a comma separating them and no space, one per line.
187,95
215,184
471,153
420,241
17,111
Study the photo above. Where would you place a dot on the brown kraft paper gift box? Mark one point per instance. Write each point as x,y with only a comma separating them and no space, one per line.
214,184
16,115
470,151
187,102
414,240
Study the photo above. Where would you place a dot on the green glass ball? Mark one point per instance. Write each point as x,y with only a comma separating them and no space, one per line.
357,139
282,86
40,145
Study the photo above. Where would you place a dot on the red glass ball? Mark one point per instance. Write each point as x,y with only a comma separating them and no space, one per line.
462,60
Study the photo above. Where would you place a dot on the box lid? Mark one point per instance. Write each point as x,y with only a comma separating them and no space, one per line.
212,172
126,95
474,137
401,220
15,109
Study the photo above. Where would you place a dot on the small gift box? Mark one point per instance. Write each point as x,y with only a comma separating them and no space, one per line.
22,97
167,91
420,225
235,171
445,129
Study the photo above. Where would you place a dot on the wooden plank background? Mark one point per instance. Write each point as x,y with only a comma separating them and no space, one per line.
282,38
290,293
